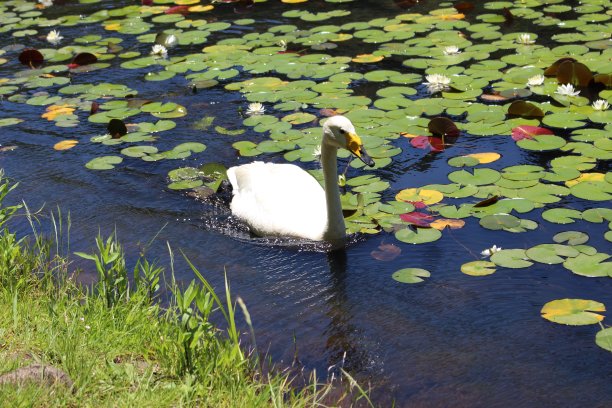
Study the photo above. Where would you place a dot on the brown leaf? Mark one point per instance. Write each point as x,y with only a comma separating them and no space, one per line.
386,252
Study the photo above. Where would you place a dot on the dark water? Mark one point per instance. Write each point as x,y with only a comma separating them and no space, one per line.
453,340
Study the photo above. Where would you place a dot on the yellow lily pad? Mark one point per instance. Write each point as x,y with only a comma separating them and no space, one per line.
574,312
417,194
65,144
367,58
484,158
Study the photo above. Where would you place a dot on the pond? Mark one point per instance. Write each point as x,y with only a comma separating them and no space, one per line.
462,328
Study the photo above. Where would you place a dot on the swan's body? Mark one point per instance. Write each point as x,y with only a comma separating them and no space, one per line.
283,200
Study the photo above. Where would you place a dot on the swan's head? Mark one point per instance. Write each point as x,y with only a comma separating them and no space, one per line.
338,131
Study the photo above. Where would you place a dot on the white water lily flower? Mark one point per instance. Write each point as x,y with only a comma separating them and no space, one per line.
491,251
159,50
567,90
536,80
255,108
451,50
45,3
525,39
171,41
54,37
437,82
283,45
317,152
600,105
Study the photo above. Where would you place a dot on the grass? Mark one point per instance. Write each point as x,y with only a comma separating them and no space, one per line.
114,341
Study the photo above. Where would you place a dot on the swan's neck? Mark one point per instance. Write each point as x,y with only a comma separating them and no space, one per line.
335,220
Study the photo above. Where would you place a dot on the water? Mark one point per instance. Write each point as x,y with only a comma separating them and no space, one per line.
453,340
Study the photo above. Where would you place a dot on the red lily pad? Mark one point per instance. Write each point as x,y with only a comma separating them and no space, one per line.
31,57
574,72
525,110
83,58
386,252
441,126
417,218
528,132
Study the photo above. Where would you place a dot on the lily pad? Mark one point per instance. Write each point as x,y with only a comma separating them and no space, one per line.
411,275
551,253
511,258
104,162
603,338
418,236
592,266
478,268
574,312
571,237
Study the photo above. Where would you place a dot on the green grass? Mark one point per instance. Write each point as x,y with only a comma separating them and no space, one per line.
118,346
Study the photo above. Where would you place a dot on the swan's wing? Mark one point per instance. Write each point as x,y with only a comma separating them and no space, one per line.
278,200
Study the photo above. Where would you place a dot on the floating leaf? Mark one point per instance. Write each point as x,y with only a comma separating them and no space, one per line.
574,72
499,221
484,158
478,268
442,223
31,57
367,58
592,266
574,312
411,275
561,215
417,218
65,144
103,163
478,178
528,132
525,110
604,338
441,126
571,237
83,58
551,253
418,194
511,258
542,142
418,236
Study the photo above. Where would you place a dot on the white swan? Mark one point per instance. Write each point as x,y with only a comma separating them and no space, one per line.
283,200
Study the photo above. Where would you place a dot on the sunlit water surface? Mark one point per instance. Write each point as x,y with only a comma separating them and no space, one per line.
453,340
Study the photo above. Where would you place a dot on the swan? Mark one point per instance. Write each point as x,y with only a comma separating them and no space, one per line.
283,200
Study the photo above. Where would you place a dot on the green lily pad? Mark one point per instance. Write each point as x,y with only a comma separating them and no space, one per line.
603,338
418,236
551,253
592,266
542,142
561,215
498,222
597,215
571,237
511,258
478,268
138,151
103,163
477,178
574,312
592,190
411,275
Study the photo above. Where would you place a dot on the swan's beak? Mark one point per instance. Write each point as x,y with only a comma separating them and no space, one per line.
355,146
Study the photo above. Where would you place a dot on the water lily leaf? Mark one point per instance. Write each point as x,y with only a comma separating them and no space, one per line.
418,236
138,151
83,58
592,190
10,121
463,161
185,184
574,72
499,222
104,162
565,120
478,268
31,57
442,223
597,215
386,252
592,266
486,157
229,132
571,237
528,132
603,338
116,128
511,258
441,126
542,143
417,218
367,58
551,253
525,110
299,118
478,178
411,275
561,215
417,194
65,144
574,312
